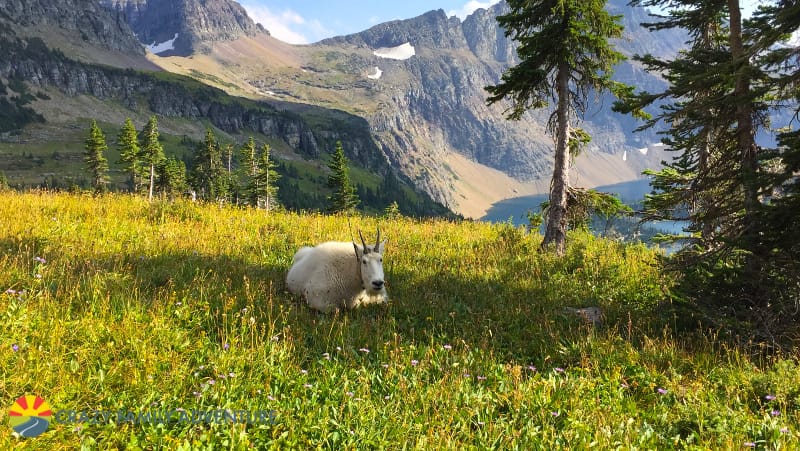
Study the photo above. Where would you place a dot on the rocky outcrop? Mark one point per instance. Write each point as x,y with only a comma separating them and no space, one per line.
32,61
187,24
434,102
94,24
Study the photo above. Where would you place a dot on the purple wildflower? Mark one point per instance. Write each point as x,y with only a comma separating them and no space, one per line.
662,391
40,260
750,444
481,378
364,350
448,347
784,430
555,414
775,413
559,370
15,347
350,394
226,346
531,368
415,362
769,397
270,397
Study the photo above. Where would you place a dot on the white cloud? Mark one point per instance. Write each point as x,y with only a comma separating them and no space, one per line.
470,8
288,26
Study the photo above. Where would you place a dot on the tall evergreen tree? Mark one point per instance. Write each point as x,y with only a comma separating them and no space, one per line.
713,105
720,92
565,55
266,181
260,176
344,198
95,159
152,152
130,154
209,176
171,178
248,158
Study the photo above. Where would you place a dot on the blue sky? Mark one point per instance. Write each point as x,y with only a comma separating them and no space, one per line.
307,21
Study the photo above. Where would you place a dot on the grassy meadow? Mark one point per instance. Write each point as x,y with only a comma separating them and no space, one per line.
111,304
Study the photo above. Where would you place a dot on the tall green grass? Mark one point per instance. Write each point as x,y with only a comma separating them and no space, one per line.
111,303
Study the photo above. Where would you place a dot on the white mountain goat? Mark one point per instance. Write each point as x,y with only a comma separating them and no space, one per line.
336,274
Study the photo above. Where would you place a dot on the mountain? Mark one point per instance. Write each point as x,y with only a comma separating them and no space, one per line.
81,28
181,27
407,95
51,89
420,85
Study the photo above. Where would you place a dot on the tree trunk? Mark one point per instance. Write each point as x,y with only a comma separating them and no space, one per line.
556,230
152,181
745,133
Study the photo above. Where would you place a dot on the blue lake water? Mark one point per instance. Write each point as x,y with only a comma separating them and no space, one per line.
516,208
631,193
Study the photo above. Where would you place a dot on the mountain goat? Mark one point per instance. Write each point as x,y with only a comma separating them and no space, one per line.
336,274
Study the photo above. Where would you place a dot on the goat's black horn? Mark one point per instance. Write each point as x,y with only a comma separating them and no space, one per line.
378,239
363,244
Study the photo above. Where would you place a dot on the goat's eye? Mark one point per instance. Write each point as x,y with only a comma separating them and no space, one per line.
364,261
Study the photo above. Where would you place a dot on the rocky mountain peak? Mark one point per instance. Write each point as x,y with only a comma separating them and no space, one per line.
181,27
85,20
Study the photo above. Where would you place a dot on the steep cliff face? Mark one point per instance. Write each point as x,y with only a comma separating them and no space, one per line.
433,103
413,90
85,21
181,27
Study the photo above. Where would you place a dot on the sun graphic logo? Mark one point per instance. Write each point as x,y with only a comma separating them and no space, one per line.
29,416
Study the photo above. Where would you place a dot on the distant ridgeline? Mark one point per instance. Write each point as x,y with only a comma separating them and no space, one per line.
28,63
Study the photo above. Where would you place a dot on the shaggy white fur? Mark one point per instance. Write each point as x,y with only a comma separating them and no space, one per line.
337,274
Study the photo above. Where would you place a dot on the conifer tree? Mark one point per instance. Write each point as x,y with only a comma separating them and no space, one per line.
565,55
260,176
95,159
248,157
344,198
267,179
171,178
130,154
152,152
713,105
209,177
720,91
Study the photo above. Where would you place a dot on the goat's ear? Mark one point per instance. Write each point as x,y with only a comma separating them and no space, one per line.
381,246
